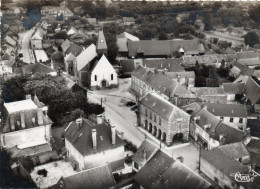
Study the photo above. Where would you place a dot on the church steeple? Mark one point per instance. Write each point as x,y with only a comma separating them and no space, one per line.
101,43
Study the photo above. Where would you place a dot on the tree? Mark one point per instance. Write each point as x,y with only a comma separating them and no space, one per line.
13,89
254,13
208,21
162,36
251,38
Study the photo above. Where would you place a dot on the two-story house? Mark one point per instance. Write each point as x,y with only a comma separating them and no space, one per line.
232,114
90,145
25,128
164,120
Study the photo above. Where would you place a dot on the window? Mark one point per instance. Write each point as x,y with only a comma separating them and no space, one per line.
221,118
136,166
95,77
151,115
154,118
231,120
240,120
112,76
146,112
160,121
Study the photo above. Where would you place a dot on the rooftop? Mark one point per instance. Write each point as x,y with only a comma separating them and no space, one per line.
18,106
81,137
170,65
94,178
162,107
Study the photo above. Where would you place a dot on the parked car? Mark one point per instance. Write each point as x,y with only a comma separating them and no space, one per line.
130,103
134,107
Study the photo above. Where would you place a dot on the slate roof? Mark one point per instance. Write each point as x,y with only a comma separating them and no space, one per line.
94,178
227,110
81,138
164,172
233,88
86,56
148,148
163,47
223,162
252,90
162,107
101,42
171,65
231,134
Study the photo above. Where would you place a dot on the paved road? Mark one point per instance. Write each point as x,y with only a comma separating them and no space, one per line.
118,114
27,52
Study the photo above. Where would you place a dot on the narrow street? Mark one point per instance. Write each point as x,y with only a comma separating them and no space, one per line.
24,39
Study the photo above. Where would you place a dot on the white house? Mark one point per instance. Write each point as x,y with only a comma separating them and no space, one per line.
103,74
36,40
89,145
24,126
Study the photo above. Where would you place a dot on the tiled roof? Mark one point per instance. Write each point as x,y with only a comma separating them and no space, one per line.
81,138
235,150
257,73
127,36
233,88
227,110
163,107
86,56
171,65
146,148
192,108
34,150
65,45
252,91
94,178
175,75
207,91
244,69
74,49
253,146
101,42
230,134
206,118
163,47
221,161
249,61
79,33
164,172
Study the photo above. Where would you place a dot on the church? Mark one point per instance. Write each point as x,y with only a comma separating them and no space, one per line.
92,67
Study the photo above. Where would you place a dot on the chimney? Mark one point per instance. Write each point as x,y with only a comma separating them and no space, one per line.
12,122
28,97
39,116
94,139
221,136
22,119
99,119
113,133
79,122
144,154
